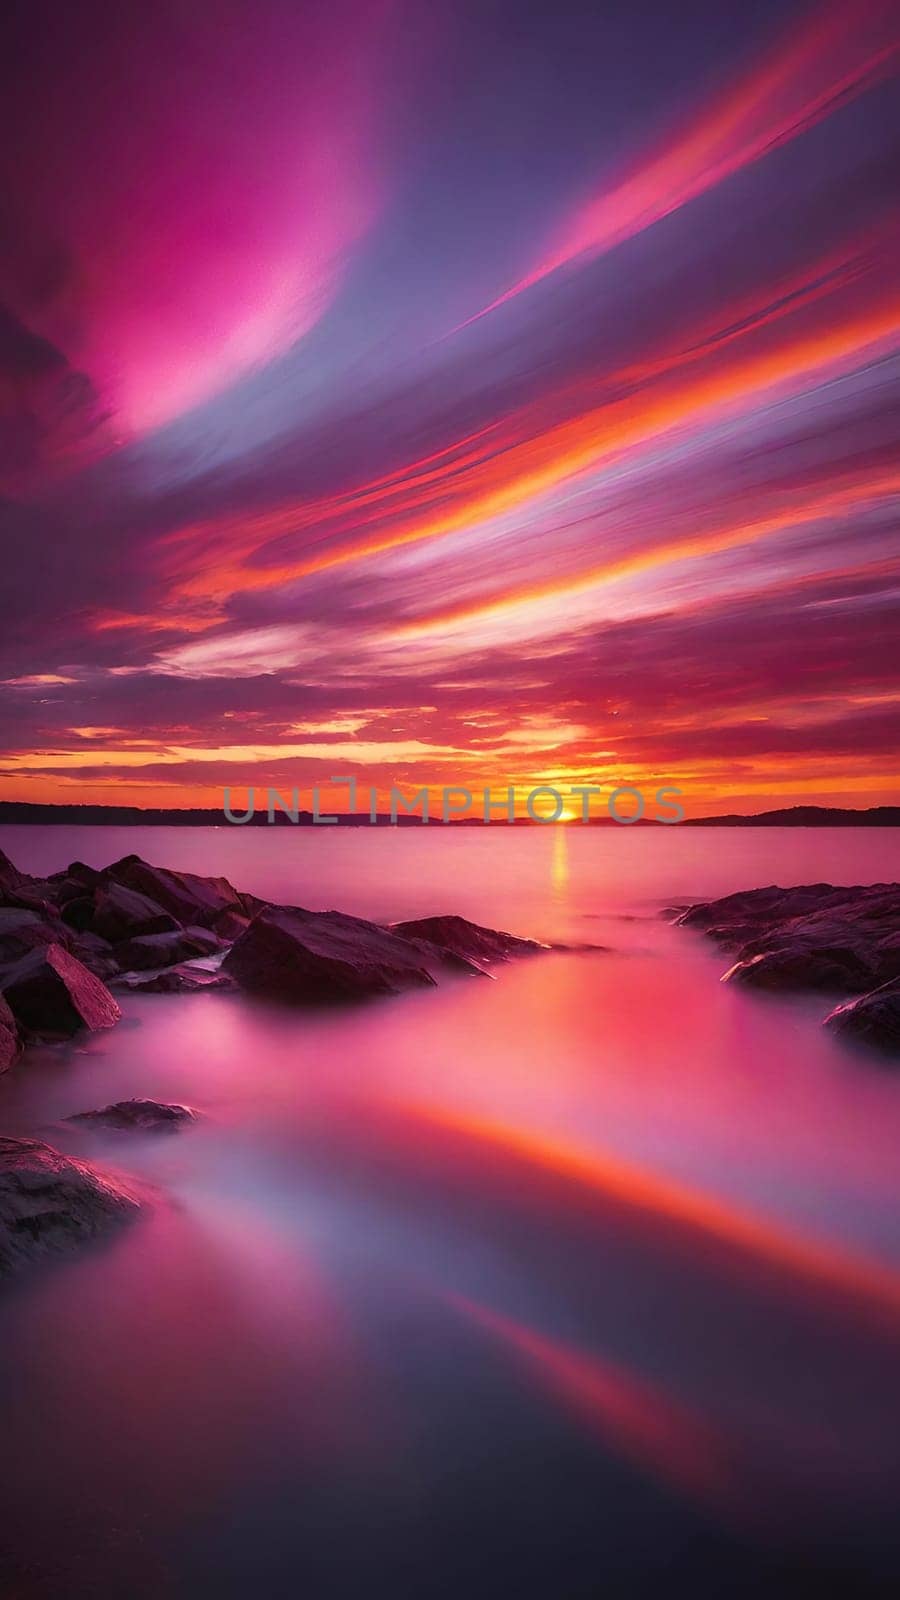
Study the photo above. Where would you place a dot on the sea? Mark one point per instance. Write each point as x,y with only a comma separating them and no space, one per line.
579,1280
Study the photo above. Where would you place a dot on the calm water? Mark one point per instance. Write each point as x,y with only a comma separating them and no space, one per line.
581,1282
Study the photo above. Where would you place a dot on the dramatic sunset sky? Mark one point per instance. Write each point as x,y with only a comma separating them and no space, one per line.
451,391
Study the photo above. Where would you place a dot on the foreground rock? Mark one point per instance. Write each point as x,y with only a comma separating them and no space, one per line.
816,938
50,1203
10,1043
186,896
52,994
62,939
18,889
165,949
22,930
121,913
873,1019
147,1116
312,957
456,937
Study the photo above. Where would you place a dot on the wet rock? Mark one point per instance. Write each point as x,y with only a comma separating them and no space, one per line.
10,1043
78,912
186,896
49,1203
147,1116
804,966
52,994
171,982
76,878
467,943
873,1019
96,953
122,913
230,924
315,957
815,936
22,930
10,875
165,949
18,889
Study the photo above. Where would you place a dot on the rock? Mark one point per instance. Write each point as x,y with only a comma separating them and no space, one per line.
150,1116
22,930
309,957
873,1019
122,913
455,936
10,1043
10,876
51,1203
18,889
52,994
165,949
230,924
815,936
188,897
804,966
96,953
76,878
78,912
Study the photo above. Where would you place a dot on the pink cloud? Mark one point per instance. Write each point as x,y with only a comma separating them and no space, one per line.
208,179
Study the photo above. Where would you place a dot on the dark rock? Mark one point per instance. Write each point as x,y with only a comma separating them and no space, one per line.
76,878
165,949
18,889
96,953
252,905
22,930
78,912
464,942
309,957
50,1203
10,876
815,936
188,897
10,1043
52,994
152,1116
230,924
804,966
873,1020
122,913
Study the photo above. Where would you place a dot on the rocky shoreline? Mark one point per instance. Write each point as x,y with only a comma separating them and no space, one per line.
69,940
816,939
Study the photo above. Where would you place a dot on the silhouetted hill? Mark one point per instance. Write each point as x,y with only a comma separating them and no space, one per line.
805,817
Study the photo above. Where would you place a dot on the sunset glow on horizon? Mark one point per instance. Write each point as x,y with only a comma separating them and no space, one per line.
448,397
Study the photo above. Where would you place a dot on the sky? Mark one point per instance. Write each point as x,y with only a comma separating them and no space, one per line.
471,392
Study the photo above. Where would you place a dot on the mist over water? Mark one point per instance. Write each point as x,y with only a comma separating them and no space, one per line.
582,1280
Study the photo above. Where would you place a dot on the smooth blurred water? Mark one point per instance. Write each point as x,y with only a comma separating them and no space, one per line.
581,1281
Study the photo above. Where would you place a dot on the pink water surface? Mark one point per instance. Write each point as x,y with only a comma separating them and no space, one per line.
593,1267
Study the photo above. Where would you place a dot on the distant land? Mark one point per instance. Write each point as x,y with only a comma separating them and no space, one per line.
20,811
804,817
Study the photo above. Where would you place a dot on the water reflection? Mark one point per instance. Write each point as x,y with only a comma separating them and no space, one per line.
559,867
593,1268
